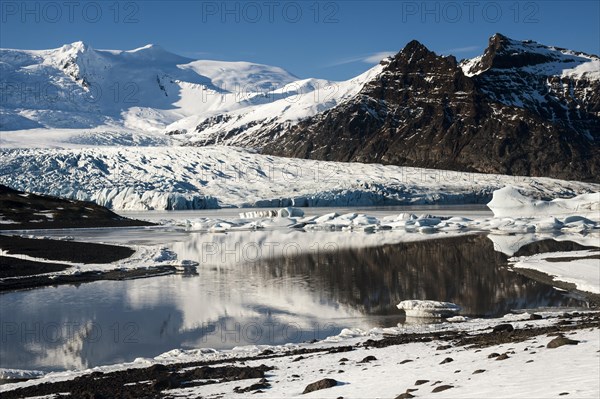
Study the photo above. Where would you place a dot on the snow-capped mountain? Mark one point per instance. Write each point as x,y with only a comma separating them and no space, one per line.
522,108
557,84
145,89
257,119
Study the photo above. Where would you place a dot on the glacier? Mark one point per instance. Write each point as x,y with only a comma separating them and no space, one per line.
177,178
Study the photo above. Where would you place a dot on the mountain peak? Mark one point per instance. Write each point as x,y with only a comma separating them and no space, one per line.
75,47
414,47
504,53
412,54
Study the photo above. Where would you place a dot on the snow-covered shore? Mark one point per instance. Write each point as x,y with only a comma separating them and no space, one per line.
505,357
159,178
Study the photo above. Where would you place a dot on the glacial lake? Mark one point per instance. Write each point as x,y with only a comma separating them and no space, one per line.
257,288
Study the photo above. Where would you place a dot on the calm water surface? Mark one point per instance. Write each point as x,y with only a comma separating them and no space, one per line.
302,290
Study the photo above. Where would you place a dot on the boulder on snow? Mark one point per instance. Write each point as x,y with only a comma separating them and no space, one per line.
560,341
321,384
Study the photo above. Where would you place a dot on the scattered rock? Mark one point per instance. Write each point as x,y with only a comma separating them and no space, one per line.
443,347
368,359
535,316
406,361
560,341
267,352
441,388
529,361
492,355
563,393
447,360
321,384
456,371
298,359
262,384
341,349
503,356
506,327
344,359
479,371
405,395
421,382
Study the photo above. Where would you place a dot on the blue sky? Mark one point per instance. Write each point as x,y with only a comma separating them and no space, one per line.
327,39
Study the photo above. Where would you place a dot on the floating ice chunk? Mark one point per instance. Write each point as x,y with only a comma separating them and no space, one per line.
16,374
185,264
579,226
508,201
164,255
258,214
508,225
221,226
364,220
458,219
429,221
547,224
327,217
577,218
457,319
428,309
278,222
290,212
427,230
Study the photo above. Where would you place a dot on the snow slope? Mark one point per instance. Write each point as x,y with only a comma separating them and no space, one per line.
136,178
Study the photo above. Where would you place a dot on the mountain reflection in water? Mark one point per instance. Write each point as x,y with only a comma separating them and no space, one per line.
228,304
464,270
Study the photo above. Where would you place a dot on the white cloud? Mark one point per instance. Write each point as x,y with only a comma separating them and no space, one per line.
372,58
458,50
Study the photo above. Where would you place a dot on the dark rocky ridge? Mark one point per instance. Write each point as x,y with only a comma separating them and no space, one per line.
511,115
21,211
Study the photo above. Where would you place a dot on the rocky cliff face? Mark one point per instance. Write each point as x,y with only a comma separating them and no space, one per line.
522,108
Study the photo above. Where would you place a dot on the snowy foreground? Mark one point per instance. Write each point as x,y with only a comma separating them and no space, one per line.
455,362
160,178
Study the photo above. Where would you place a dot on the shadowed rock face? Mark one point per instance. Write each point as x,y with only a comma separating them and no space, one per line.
463,270
512,114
